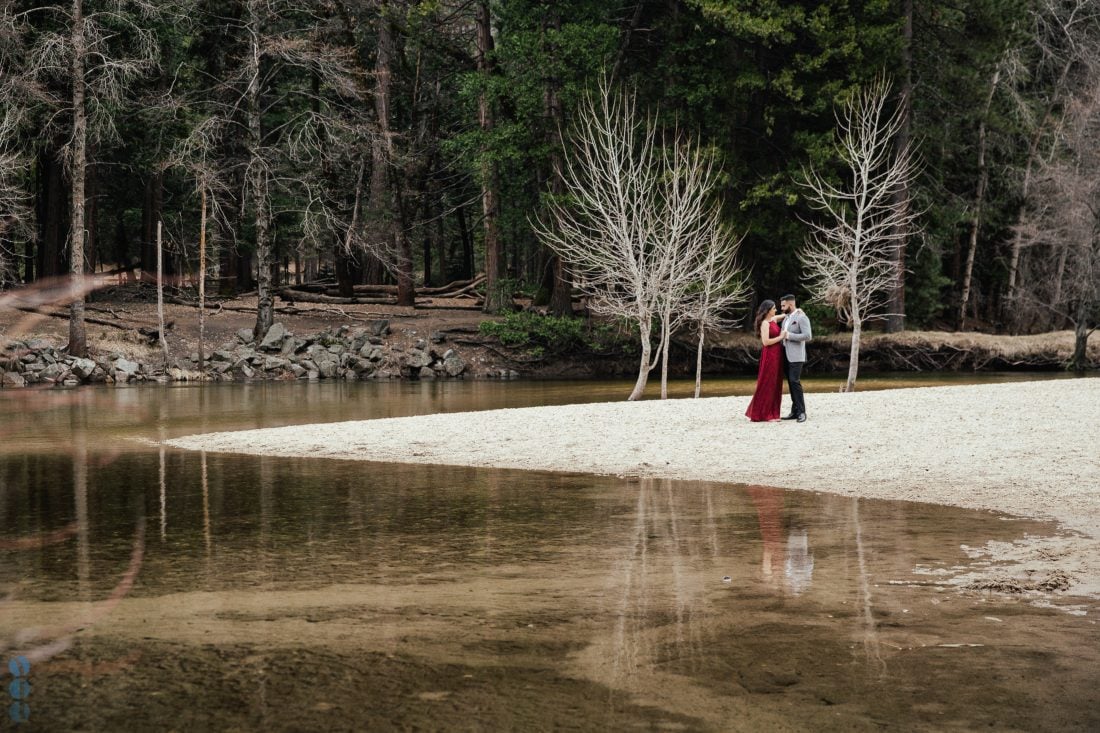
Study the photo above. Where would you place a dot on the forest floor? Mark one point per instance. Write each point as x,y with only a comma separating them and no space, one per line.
1024,448
132,307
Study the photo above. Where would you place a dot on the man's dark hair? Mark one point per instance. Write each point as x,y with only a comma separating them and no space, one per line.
788,297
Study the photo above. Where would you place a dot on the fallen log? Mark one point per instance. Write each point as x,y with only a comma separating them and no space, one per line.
141,328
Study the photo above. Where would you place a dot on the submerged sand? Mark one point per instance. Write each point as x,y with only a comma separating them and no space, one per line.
1025,448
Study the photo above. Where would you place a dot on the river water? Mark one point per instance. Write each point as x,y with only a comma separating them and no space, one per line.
151,589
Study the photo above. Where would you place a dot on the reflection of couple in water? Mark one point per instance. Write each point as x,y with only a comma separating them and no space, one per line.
784,352
790,563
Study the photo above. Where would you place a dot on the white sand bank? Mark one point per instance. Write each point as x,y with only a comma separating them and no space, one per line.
1027,448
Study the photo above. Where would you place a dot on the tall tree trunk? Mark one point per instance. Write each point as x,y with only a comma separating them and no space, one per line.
202,278
895,321
78,340
265,299
699,362
152,205
345,272
857,334
495,300
53,216
387,167
1058,320
467,243
1079,362
666,339
561,295
439,237
644,365
979,201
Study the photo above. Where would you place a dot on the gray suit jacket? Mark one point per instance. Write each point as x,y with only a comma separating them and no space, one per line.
798,326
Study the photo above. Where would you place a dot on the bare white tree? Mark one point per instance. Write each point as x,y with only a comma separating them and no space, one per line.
76,64
1060,233
721,288
637,220
195,154
15,209
852,249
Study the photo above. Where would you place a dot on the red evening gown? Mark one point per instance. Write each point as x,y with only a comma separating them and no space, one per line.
769,381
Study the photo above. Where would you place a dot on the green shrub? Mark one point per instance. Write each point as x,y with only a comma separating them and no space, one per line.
540,335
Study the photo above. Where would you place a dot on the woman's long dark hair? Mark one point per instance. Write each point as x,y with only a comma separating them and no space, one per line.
761,314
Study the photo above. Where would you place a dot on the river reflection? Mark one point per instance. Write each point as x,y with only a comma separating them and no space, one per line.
152,588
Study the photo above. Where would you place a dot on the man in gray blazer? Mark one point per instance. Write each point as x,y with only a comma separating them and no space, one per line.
796,332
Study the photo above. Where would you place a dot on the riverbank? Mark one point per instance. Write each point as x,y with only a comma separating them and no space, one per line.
437,341
1024,448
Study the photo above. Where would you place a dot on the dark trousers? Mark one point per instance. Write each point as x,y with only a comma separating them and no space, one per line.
794,385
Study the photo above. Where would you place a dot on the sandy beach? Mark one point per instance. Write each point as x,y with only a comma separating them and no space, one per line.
1025,448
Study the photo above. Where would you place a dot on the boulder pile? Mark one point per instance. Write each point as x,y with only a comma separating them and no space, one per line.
343,353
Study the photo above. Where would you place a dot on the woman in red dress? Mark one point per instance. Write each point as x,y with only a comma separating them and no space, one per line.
769,380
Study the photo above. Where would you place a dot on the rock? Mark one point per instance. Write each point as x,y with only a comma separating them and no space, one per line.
245,371
358,337
427,373
52,372
38,344
328,369
437,337
418,359
245,336
297,370
337,349
375,340
83,368
453,364
313,375
272,363
11,379
371,352
421,344
120,376
448,354
71,381
130,368
273,340
380,327
221,355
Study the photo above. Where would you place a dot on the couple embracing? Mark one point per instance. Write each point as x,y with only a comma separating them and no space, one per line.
784,352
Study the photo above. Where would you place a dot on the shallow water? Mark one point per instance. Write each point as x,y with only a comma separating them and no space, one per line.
160,589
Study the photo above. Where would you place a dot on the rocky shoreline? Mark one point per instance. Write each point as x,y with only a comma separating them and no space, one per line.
343,353
446,349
